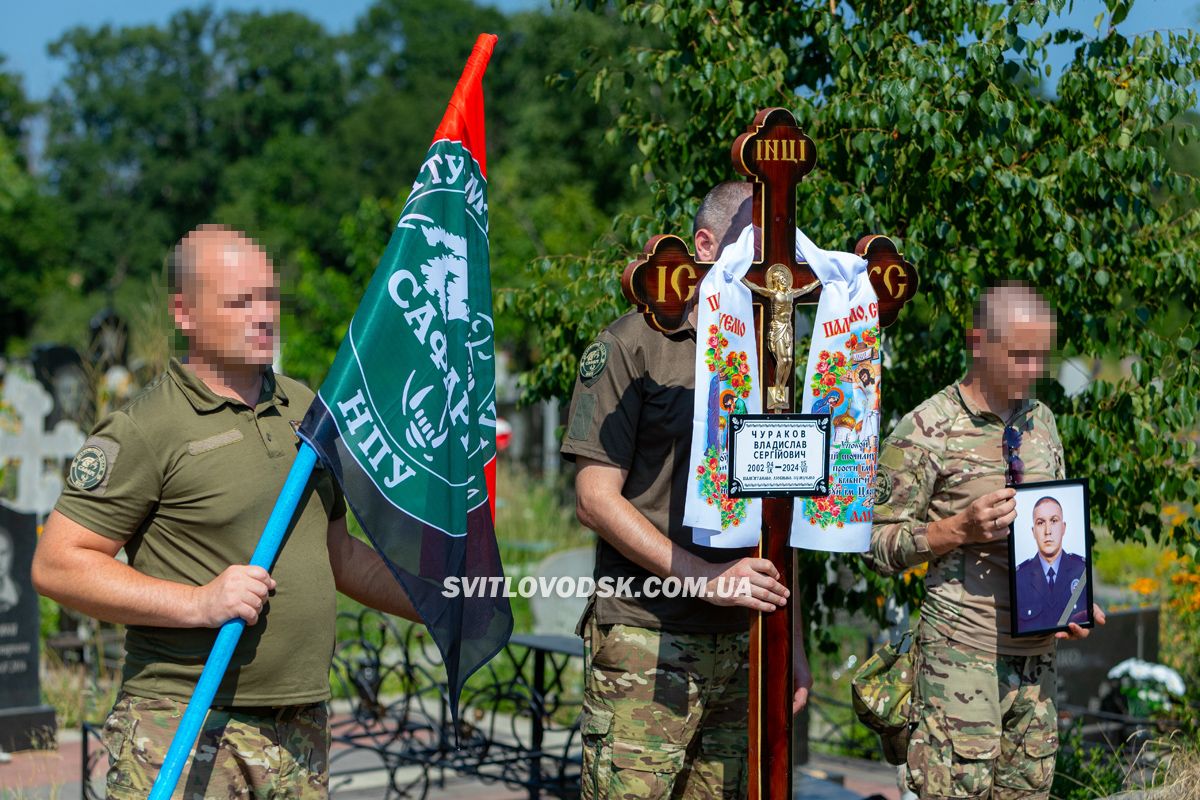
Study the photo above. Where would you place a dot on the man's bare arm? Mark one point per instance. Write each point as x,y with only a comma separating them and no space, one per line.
359,572
78,568
601,507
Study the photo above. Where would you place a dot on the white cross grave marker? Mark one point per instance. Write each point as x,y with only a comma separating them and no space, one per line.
39,453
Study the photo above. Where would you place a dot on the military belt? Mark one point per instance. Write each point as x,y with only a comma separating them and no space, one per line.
276,713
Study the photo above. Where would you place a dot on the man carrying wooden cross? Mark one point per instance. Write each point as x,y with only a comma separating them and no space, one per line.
666,689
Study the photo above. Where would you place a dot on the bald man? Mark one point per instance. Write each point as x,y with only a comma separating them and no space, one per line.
666,679
983,705
183,479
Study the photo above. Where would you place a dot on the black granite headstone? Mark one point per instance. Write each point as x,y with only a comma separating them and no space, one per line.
24,722
1083,665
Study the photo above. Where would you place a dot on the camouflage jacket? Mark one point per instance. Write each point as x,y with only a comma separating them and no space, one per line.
938,460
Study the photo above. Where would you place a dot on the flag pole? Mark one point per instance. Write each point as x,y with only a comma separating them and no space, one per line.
231,631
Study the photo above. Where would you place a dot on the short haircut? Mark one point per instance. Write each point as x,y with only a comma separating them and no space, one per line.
996,305
181,264
1048,498
719,207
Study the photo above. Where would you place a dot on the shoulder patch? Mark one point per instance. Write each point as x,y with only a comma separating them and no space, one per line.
592,362
883,487
93,464
89,468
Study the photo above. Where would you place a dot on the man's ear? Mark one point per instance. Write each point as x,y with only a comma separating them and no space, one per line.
975,342
707,245
181,314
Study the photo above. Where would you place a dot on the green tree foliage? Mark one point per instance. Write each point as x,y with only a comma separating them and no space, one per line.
929,128
152,128
554,179
30,233
303,138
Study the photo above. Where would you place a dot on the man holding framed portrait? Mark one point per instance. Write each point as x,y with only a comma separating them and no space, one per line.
1051,542
983,719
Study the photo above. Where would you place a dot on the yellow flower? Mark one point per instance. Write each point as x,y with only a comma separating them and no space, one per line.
1144,586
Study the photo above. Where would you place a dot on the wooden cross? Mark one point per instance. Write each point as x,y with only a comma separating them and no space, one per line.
775,155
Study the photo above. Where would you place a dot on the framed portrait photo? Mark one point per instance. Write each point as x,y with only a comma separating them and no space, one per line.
1050,558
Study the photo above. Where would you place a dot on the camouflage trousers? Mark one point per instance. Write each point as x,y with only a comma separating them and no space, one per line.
236,755
664,714
986,724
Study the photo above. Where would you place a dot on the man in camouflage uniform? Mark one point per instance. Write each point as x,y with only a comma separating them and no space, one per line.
183,479
666,686
983,701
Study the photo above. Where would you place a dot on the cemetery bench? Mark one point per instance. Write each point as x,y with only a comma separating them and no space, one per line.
518,719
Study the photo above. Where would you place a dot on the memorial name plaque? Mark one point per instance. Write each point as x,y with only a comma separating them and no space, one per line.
779,455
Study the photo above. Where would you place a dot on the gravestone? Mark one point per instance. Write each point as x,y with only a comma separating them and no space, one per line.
1083,665
24,722
37,458
559,615
38,454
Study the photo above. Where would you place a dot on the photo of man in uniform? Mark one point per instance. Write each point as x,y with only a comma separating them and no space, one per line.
1053,580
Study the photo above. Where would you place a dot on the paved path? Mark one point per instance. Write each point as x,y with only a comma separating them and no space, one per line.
55,775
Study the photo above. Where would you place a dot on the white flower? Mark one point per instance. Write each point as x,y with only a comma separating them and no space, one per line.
1146,671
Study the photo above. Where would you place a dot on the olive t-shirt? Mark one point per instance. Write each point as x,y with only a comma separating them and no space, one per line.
632,408
186,479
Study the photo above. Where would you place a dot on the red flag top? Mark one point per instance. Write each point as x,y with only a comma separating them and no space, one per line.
463,121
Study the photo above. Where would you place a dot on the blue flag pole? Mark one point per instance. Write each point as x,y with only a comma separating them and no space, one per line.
231,631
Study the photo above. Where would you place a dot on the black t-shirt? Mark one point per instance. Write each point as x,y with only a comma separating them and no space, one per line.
632,408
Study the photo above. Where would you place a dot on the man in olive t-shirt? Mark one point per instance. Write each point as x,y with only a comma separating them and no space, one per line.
183,479
666,679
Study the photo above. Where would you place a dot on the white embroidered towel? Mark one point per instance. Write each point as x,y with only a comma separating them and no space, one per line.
726,382
842,379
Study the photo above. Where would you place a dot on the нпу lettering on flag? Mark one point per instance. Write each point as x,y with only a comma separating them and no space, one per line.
406,418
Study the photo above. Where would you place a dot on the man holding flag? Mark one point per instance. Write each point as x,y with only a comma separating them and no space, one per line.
183,479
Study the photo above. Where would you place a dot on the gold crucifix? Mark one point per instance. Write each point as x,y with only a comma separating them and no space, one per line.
781,298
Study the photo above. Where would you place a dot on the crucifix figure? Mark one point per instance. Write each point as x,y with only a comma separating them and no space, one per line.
774,154
780,335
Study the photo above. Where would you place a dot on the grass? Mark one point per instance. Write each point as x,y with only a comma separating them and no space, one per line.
1122,564
75,694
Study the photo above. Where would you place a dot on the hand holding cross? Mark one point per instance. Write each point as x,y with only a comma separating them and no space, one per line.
775,155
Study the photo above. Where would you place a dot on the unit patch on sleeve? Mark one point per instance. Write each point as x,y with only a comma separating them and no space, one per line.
883,487
93,464
88,468
592,362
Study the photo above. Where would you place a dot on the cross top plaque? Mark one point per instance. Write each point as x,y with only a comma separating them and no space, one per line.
775,155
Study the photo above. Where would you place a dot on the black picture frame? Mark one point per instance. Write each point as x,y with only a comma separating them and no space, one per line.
1034,607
